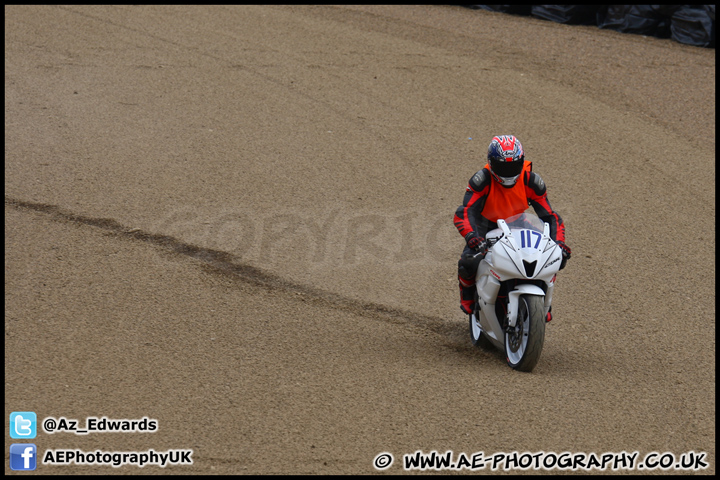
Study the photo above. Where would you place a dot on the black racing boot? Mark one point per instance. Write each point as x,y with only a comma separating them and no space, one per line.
467,296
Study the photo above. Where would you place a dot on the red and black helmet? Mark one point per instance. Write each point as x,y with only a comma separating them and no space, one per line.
506,158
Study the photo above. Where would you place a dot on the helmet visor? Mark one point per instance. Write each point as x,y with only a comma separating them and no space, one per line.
506,169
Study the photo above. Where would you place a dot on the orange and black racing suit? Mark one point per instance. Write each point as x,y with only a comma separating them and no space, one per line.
485,202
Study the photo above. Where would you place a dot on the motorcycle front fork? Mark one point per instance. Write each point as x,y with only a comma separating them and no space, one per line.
501,311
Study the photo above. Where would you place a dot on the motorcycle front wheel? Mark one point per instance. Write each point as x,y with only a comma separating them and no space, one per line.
524,343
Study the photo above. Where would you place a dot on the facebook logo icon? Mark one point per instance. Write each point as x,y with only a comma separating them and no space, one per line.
23,425
23,456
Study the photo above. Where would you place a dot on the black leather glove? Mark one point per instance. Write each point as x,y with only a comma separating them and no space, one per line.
565,254
476,242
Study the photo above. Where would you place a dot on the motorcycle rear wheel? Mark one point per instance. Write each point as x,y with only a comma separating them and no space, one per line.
524,344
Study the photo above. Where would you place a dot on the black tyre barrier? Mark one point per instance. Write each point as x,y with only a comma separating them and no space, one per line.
693,25
686,24
568,14
637,19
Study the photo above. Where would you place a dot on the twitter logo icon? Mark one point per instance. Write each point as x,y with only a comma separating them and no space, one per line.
23,425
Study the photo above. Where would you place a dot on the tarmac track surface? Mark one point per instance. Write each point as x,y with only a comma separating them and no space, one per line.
238,221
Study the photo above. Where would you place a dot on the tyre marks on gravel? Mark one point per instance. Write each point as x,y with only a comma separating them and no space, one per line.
224,263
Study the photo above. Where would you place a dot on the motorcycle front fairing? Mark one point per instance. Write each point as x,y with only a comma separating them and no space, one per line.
523,253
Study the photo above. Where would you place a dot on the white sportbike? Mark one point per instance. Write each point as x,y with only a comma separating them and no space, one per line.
514,285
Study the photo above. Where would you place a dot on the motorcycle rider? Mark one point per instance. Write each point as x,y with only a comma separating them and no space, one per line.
506,186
